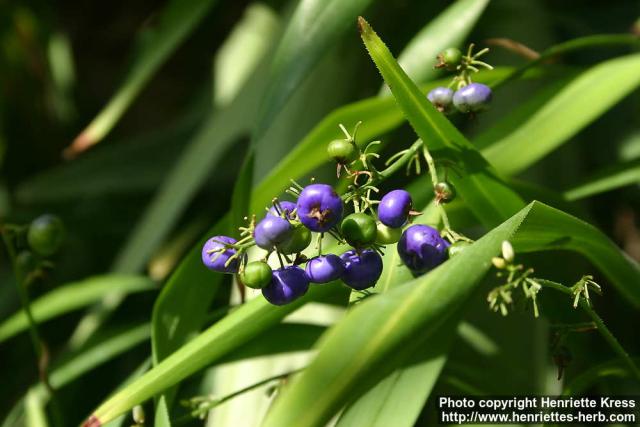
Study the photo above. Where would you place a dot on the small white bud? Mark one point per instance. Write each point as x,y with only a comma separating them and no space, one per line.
507,251
138,414
498,262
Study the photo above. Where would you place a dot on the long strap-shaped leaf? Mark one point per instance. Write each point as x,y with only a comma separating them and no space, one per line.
361,345
483,191
257,315
177,20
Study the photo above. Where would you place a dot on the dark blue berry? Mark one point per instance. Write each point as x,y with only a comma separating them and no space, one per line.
361,271
324,268
214,257
394,208
271,231
472,98
319,207
285,207
441,98
287,284
421,248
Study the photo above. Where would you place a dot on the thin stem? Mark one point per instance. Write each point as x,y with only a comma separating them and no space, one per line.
395,166
602,328
21,283
205,407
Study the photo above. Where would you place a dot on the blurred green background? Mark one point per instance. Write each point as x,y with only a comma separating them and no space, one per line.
60,62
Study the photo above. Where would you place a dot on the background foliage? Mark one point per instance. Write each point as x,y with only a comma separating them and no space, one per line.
132,122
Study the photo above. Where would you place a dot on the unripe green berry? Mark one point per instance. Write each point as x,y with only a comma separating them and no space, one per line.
457,247
387,235
445,192
342,151
26,262
298,241
359,229
256,275
46,234
450,58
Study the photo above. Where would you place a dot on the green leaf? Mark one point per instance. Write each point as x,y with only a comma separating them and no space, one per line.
362,346
74,296
240,54
564,115
378,115
449,29
483,191
177,20
233,331
314,27
613,177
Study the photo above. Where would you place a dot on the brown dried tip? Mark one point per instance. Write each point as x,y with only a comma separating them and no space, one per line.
92,421
361,24
80,144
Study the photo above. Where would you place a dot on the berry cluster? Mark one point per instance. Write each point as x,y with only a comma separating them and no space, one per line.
287,230
468,97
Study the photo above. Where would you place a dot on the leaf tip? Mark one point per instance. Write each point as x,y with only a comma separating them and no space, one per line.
363,25
79,145
92,421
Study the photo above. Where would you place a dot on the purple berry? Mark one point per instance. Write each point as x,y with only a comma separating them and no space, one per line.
286,208
287,284
441,98
361,271
215,260
324,268
421,248
272,231
319,207
472,98
394,208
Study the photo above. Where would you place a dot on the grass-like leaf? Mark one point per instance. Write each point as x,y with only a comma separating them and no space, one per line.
177,20
607,180
574,107
373,331
74,296
314,27
448,29
483,191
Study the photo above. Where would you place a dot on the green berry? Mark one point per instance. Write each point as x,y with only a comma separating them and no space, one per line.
26,262
46,234
256,275
359,229
387,235
342,151
445,192
450,58
297,242
457,247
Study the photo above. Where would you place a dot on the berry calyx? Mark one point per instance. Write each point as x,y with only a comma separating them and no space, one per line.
343,151
441,98
457,247
284,209
449,58
319,207
256,275
46,234
387,235
444,192
298,241
216,253
394,208
472,98
361,271
359,229
324,268
272,231
287,284
421,248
